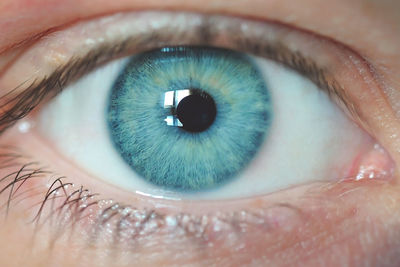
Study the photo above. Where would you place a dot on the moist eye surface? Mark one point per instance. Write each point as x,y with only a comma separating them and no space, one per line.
189,118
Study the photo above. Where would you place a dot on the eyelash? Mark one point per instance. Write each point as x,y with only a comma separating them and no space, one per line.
124,222
20,105
110,216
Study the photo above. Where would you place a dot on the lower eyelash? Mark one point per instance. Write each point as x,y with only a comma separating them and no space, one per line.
64,207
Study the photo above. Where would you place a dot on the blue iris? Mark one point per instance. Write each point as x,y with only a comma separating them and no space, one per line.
212,146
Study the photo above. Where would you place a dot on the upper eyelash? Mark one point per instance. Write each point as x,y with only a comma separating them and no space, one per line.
16,106
20,105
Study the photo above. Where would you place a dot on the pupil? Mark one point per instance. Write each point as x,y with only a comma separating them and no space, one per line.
196,112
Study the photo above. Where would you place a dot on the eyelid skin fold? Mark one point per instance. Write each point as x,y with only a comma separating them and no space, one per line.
73,52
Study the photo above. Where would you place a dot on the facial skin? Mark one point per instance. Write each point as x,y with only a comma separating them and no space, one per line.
356,223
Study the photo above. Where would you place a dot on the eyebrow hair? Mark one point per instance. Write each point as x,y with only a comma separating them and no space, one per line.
15,106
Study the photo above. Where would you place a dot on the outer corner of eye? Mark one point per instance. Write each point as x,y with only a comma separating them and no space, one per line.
204,122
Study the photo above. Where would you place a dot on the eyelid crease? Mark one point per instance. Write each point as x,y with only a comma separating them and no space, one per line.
14,107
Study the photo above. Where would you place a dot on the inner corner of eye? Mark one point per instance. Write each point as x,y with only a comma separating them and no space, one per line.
202,122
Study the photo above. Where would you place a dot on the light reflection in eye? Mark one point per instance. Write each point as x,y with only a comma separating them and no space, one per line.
171,101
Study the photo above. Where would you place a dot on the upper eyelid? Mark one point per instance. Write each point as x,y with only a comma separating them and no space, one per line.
204,33
284,13
37,36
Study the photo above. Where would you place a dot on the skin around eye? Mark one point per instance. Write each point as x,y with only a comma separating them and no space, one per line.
330,232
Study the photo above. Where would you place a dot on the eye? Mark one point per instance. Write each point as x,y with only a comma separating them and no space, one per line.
131,123
223,117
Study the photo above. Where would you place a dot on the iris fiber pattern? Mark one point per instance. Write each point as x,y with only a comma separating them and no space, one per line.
170,157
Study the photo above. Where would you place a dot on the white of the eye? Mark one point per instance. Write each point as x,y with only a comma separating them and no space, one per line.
310,138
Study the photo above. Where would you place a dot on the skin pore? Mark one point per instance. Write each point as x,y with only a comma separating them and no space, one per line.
355,223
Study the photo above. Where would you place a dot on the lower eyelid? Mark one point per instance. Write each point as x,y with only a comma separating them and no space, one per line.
244,225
